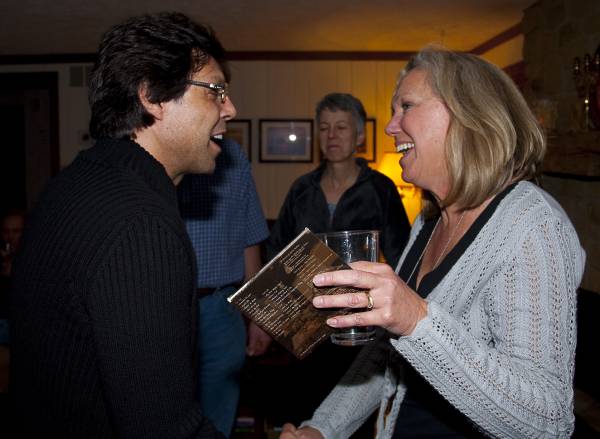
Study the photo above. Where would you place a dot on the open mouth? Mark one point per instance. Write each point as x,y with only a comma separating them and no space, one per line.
217,138
403,147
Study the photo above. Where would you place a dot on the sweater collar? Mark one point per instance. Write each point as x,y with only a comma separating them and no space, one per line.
434,277
364,173
130,156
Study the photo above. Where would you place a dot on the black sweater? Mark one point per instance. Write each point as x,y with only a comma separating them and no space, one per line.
103,306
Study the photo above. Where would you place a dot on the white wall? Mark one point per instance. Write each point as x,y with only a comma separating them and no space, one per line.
269,89
288,90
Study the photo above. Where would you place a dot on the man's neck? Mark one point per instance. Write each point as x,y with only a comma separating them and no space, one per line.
147,140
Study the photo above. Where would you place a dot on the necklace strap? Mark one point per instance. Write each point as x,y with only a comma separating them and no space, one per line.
439,258
437,261
422,252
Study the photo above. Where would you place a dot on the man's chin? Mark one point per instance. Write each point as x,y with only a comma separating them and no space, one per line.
214,149
208,164
206,167
211,168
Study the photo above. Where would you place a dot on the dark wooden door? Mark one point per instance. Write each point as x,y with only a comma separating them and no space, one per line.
28,136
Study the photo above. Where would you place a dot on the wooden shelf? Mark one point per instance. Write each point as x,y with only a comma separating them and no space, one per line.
576,154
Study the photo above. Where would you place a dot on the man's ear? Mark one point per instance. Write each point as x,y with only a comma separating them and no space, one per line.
155,109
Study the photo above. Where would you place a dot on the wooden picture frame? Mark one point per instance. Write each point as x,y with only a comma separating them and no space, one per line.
286,140
240,130
368,149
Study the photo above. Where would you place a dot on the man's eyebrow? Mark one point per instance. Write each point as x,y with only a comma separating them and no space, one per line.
216,79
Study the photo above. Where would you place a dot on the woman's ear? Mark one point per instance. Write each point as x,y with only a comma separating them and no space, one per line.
360,139
155,109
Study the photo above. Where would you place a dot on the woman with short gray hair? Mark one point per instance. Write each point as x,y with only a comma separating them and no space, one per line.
343,193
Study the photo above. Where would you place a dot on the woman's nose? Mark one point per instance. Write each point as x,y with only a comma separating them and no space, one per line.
393,126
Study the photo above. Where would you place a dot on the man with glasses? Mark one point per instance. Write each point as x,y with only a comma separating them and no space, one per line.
219,89
103,308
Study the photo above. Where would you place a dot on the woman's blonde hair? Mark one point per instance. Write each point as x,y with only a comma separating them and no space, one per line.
493,138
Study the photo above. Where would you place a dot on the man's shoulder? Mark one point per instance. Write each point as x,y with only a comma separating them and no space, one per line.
103,195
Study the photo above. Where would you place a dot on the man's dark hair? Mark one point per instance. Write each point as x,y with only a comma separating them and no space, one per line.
160,51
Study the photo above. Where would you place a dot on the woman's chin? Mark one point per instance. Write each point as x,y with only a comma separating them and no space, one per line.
408,176
338,158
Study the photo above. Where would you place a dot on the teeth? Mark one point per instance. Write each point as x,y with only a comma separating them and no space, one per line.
218,136
403,147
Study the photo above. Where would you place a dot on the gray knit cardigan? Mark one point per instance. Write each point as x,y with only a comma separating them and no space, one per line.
499,338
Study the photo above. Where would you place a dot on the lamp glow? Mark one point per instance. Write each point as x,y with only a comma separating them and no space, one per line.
410,194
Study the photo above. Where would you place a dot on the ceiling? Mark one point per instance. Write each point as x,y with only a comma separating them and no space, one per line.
31,27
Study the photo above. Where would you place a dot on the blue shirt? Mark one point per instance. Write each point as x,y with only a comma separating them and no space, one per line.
223,216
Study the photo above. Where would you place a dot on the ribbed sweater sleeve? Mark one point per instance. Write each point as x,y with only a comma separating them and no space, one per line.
103,306
142,330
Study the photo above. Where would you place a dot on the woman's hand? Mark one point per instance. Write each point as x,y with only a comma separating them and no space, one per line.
291,432
396,307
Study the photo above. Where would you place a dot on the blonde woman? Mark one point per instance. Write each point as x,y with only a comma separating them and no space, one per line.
481,310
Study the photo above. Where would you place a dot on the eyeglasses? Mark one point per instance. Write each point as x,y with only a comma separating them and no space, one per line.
220,89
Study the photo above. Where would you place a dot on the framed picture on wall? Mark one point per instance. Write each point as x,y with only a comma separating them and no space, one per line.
240,130
285,140
368,150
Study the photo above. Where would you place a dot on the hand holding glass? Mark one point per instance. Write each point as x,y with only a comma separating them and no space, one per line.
352,246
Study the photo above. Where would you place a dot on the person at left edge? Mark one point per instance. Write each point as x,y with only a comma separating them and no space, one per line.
225,222
104,303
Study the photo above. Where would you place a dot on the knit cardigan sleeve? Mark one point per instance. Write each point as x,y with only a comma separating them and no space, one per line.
506,359
499,338
140,305
356,396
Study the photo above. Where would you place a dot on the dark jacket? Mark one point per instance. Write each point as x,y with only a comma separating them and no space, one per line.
103,307
372,203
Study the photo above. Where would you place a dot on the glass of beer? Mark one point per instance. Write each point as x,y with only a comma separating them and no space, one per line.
352,246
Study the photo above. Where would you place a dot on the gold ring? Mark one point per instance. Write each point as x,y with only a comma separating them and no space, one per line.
369,302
